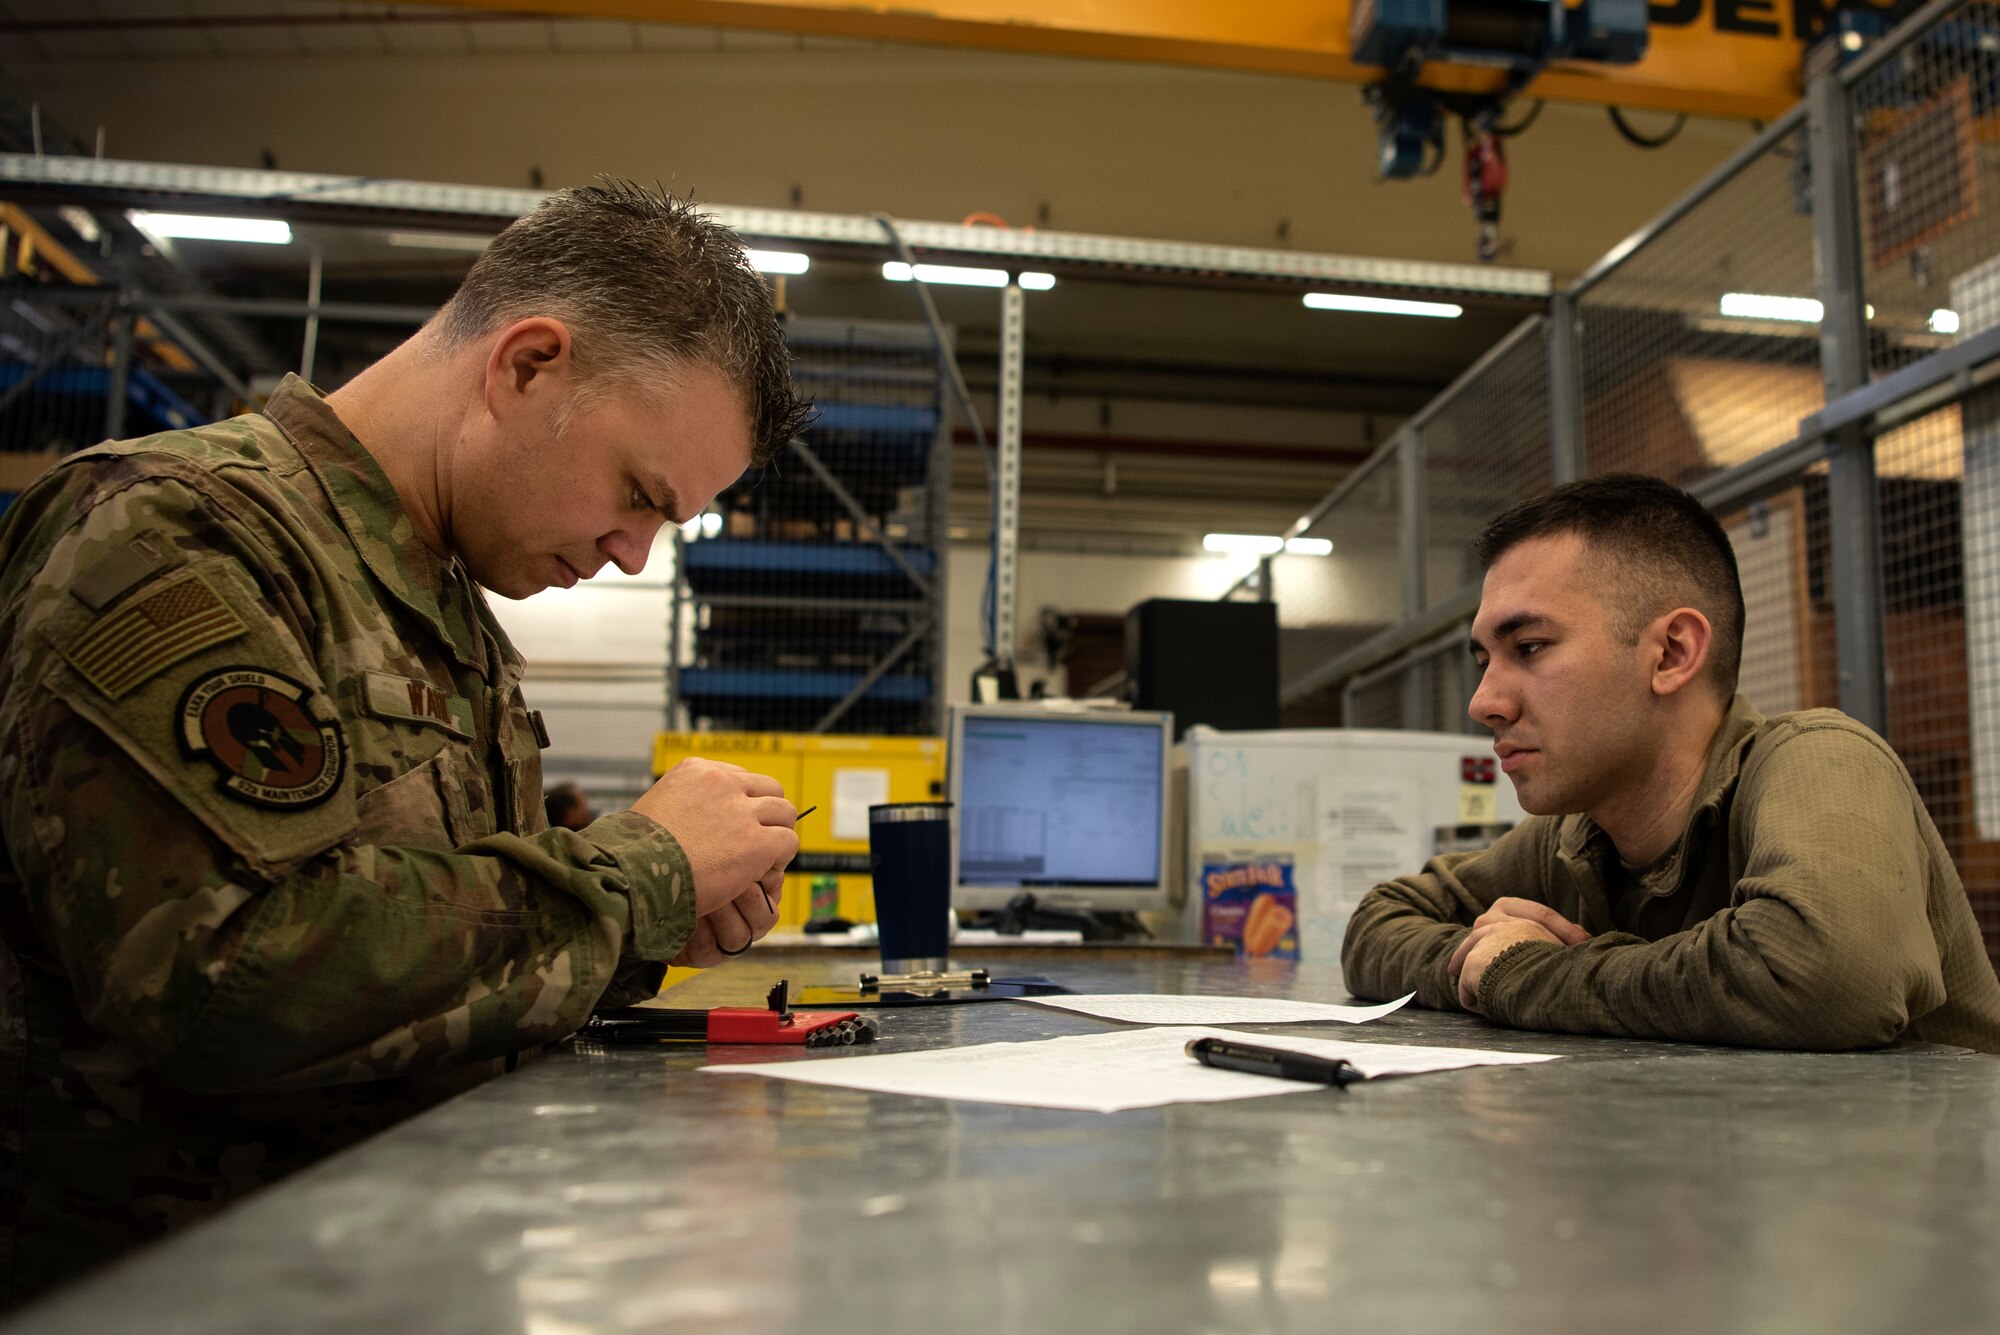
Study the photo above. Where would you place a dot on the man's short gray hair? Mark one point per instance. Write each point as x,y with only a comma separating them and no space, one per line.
647,285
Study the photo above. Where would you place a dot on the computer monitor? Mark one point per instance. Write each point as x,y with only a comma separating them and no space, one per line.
1070,806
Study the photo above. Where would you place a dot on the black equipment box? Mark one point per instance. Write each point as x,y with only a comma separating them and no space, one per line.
1205,662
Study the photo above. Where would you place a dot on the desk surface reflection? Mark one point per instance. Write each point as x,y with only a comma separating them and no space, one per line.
1631,1186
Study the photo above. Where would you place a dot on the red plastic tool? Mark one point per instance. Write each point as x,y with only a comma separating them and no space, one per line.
777,1023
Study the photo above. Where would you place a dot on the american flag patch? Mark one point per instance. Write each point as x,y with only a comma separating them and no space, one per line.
131,645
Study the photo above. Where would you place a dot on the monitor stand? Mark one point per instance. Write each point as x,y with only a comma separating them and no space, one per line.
1025,913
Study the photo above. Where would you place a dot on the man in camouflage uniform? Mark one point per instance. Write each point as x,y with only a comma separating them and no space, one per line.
277,872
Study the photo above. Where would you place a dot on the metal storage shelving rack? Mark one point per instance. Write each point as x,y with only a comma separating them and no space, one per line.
64,384
887,590
818,604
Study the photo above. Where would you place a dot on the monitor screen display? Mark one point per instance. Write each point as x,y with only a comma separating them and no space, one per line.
1063,804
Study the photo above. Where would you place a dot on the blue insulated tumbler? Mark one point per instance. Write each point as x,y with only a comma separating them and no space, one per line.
909,851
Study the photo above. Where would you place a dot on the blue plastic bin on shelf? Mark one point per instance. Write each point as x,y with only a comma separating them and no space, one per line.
778,683
877,418
804,558
143,391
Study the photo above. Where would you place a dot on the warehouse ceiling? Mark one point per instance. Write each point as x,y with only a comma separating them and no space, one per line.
1148,404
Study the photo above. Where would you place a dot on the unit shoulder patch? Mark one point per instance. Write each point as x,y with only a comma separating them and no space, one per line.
252,725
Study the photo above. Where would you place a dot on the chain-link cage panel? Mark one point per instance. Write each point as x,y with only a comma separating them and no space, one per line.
1927,163
76,369
1454,677
1377,701
1778,648
1701,348
1251,587
1331,599
811,593
1940,568
1485,446
1440,685
1427,690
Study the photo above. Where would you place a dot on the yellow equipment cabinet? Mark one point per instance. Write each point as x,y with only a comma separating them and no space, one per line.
842,776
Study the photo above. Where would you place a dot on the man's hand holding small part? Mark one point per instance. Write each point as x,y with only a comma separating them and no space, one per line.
733,825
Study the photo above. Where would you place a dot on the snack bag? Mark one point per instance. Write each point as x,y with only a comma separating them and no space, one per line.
1250,903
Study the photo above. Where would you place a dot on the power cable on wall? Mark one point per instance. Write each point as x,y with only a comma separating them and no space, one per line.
1660,140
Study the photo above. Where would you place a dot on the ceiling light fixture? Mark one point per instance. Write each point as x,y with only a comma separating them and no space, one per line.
1251,544
898,272
779,261
206,227
1341,301
80,222
1762,306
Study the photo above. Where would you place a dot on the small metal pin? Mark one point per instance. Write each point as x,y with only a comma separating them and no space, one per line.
795,820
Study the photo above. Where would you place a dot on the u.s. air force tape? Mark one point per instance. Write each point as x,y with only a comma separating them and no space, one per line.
253,726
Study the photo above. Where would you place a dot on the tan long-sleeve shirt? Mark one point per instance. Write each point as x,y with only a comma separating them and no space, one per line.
1809,903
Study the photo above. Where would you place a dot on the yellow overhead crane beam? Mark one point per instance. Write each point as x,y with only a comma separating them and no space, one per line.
1710,57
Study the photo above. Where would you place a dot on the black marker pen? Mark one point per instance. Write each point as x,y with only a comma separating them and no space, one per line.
1251,1060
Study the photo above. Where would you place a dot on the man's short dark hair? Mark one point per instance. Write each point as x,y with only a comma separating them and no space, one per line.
1665,551
647,283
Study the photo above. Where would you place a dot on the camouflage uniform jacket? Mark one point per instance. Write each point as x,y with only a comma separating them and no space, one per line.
276,867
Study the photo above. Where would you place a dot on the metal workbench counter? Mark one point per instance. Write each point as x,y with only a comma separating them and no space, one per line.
1632,1186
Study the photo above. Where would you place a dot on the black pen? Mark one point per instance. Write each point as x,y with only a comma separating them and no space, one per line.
1227,1056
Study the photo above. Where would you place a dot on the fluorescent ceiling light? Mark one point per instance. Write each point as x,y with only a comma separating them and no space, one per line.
779,261
1944,322
1255,544
1760,306
80,222
465,241
1309,546
203,227
898,272
1341,301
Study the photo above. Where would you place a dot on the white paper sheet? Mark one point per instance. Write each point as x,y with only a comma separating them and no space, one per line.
1369,832
1149,1008
854,791
1140,1068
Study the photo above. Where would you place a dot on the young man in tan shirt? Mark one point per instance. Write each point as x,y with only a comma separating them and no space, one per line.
1691,870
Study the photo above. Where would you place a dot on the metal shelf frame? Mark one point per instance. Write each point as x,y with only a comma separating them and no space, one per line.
871,574
362,200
